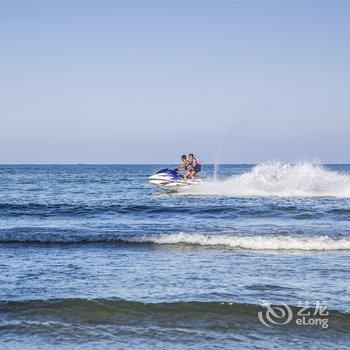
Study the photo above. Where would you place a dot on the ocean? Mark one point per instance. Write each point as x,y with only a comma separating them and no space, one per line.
94,257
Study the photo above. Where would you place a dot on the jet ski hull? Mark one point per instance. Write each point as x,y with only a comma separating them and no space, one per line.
171,181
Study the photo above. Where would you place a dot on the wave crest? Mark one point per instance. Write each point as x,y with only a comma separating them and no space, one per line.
231,241
95,310
251,242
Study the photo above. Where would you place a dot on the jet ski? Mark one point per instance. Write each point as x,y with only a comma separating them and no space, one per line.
171,180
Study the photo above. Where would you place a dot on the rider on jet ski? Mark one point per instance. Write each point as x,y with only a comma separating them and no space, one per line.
185,163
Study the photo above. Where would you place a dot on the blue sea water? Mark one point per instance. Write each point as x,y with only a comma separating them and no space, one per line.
94,257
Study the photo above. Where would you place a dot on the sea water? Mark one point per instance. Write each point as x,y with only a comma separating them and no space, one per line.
94,257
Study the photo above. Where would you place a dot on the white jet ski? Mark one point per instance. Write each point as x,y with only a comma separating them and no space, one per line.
171,181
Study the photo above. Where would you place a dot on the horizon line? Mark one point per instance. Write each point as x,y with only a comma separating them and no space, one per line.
1,164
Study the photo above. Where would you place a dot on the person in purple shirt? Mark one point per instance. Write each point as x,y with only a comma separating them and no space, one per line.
193,168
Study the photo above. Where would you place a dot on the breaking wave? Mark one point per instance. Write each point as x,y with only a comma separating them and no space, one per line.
279,179
251,242
247,242
242,242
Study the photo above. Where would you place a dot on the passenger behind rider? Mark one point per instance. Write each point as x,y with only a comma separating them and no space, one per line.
193,168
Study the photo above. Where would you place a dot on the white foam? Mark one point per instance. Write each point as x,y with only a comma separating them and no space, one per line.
279,179
251,242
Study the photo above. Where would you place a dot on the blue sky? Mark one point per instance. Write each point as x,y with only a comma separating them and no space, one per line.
143,82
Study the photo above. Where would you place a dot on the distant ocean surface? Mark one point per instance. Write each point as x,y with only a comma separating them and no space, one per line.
94,257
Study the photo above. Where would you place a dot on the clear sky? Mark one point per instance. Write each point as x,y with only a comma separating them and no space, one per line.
143,82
